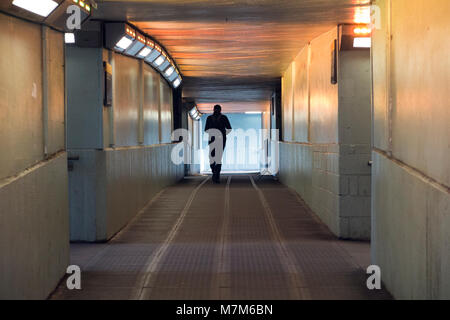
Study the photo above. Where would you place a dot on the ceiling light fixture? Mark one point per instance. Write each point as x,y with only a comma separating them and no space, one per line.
159,61
137,45
124,43
362,31
149,45
126,39
195,114
177,83
144,52
119,36
173,76
69,37
40,7
365,42
165,64
154,54
169,71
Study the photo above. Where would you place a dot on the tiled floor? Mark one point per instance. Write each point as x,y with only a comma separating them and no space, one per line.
247,238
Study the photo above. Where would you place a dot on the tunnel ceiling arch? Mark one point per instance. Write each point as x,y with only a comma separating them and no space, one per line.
232,52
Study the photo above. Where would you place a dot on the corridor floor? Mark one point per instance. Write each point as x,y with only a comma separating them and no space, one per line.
248,238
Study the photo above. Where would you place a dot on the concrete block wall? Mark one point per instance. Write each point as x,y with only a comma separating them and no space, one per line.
355,191
325,185
34,217
296,168
124,153
411,173
325,150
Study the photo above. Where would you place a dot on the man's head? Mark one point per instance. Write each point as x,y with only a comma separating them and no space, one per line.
217,109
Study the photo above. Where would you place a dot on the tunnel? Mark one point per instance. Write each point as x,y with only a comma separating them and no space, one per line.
333,183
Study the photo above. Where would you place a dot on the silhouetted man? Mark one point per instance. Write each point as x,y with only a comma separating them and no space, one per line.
217,126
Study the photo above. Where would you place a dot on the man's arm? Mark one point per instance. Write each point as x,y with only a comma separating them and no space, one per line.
208,124
227,125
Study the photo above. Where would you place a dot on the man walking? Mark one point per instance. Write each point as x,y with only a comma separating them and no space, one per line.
217,126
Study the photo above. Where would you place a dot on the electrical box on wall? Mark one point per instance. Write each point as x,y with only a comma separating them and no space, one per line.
108,92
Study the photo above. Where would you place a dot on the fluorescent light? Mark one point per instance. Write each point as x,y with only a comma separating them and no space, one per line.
144,52
137,46
176,83
362,42
152,56
124,43
195,114
362,31
173,76
170,71
159,61
164,66
40,7
69,38
253,112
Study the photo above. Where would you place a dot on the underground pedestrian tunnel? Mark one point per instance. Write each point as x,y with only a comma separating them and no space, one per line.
337,162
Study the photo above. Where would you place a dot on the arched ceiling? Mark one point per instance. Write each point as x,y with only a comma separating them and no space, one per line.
232,51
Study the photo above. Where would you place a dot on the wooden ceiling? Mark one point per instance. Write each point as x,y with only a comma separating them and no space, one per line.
232,52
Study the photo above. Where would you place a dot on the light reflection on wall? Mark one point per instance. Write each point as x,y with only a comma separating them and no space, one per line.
362,15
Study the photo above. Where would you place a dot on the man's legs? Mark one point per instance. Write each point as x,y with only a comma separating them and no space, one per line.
214,171
218,169
218,166
216,163
212,163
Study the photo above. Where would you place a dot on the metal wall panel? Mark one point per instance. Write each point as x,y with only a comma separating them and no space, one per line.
56,99
151,105
421,86
126,100
324,95
166,112
286,112
21,129
84,99
380,65
354,97
410,73
301,97
411,117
